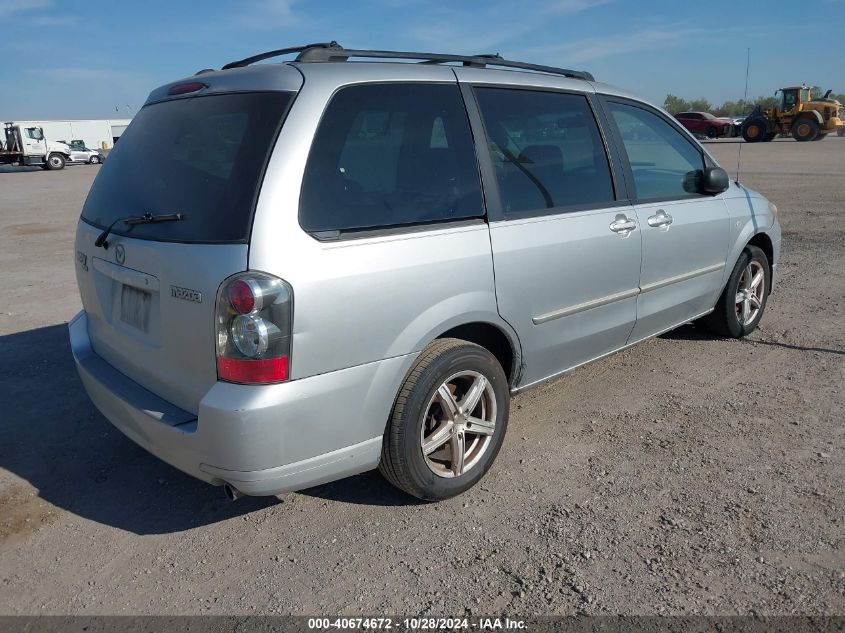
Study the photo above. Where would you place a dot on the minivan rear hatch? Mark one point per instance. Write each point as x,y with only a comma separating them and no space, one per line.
196,162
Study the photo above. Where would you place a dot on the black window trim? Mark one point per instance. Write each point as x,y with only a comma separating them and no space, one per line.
495,209
395,230
605,100
254,203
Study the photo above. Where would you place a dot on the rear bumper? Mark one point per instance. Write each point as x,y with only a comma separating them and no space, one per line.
262,440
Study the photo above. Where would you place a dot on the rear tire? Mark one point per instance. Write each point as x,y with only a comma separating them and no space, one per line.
743,301
819,136
840,131
454,402
55,162
755,130
805,129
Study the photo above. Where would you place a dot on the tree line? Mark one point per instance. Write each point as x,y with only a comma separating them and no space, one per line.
741,107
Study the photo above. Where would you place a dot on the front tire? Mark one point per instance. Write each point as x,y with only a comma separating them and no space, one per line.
448,422
755,130
55,162
711,132
743,301
95,160
805,129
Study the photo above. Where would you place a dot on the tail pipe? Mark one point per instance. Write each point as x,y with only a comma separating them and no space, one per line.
232,493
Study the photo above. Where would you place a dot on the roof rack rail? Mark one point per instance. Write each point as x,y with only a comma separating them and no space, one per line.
334,52
278,53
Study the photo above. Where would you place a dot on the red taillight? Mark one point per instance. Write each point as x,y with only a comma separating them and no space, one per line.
253,325
252,371
180,89
241,297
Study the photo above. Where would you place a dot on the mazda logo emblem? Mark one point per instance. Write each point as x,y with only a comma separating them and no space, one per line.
119,254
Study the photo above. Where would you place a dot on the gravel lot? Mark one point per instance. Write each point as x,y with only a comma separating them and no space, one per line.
686,475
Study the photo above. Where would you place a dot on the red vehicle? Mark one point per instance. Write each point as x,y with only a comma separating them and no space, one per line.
705,124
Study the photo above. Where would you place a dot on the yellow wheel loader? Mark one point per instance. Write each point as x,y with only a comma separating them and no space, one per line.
798,114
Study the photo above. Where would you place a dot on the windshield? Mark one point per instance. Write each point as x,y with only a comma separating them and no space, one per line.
203,157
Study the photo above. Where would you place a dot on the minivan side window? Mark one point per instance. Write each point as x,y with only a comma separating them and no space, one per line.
664,163
546,150
388,155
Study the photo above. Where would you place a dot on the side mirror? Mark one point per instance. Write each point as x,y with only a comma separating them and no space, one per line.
714,180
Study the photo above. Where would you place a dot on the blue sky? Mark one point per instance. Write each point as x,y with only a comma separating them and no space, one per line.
83,59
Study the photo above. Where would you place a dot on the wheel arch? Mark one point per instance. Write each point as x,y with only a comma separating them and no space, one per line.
764,243
495,339
808,114
487,330
762,240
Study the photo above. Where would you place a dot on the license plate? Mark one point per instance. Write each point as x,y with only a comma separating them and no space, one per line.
135,307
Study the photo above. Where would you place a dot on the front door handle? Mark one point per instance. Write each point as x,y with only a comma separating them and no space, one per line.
623,224
661,219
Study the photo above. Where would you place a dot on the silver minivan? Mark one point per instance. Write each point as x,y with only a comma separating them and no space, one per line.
294,272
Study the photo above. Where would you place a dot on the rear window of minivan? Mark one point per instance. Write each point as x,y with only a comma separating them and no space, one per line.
203,157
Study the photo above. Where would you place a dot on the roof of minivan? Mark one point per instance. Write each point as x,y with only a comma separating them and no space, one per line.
290,75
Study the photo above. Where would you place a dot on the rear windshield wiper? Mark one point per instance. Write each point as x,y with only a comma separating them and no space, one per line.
147,218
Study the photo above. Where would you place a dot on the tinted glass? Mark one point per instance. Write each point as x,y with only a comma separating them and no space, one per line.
546,149
789,99
664,163
389,155
203,157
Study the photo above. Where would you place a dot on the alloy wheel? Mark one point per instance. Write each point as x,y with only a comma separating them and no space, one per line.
459,424
749,293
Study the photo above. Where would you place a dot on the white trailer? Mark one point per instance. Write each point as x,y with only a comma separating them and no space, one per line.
96,134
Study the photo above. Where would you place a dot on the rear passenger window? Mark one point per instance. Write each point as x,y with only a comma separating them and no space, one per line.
664,163
389,155
546,149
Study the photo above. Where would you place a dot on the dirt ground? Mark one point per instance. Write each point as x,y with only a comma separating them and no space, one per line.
686,475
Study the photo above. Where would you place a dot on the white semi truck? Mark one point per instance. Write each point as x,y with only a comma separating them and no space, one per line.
23,145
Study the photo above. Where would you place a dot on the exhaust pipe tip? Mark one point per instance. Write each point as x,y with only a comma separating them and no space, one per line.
232,494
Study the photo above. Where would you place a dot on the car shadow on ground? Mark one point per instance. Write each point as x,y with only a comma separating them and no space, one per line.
692,332
365,489
52,437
